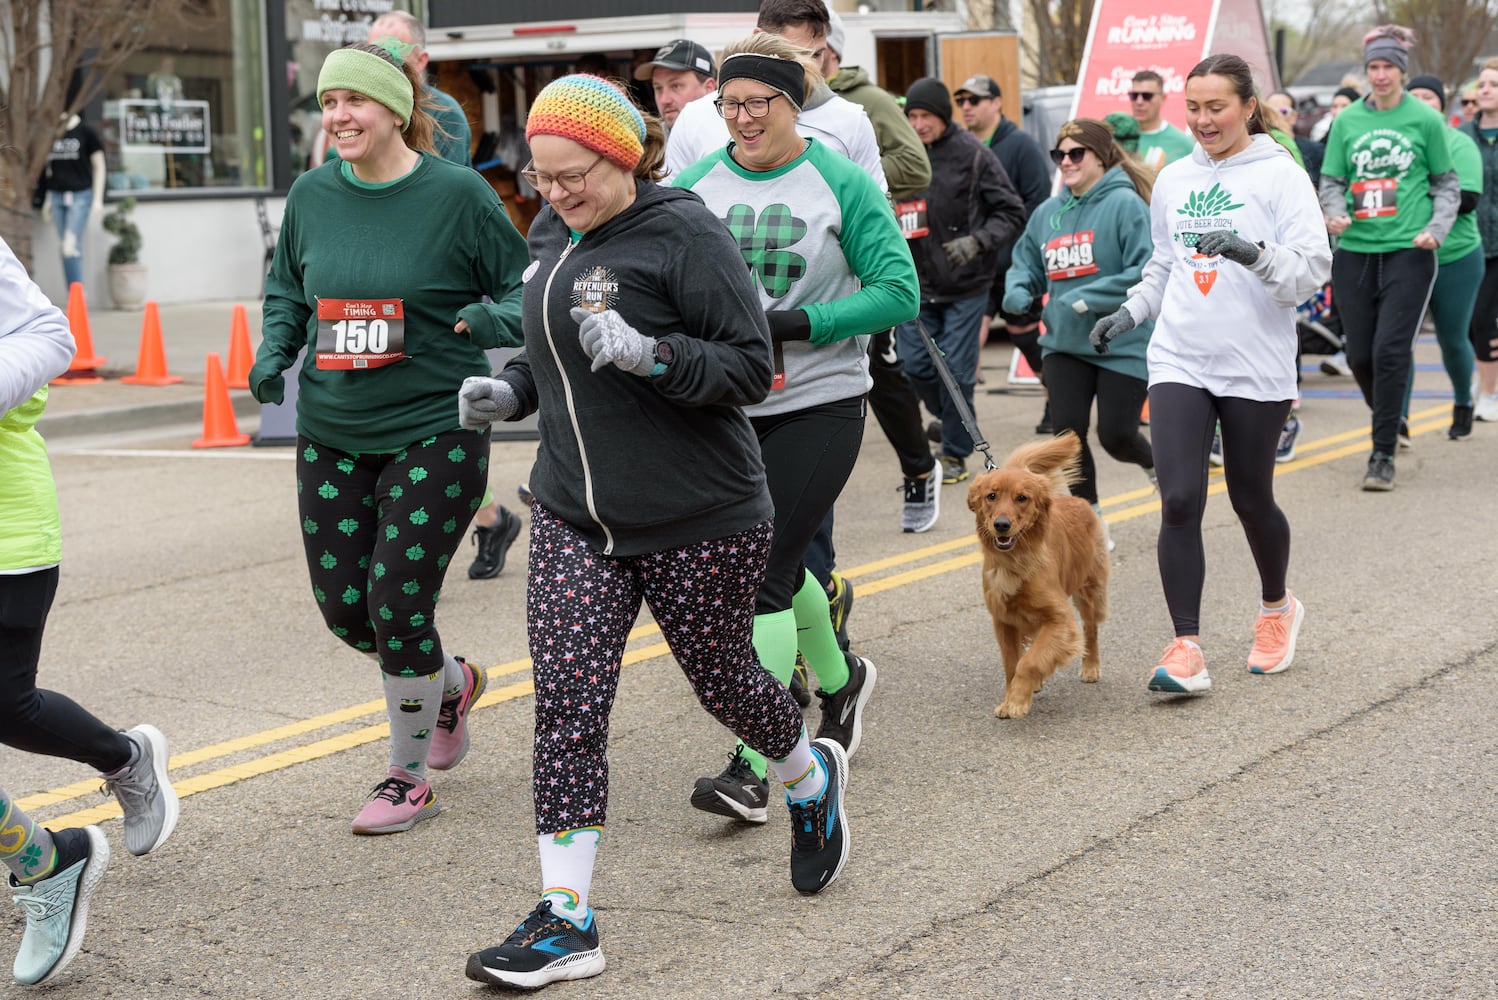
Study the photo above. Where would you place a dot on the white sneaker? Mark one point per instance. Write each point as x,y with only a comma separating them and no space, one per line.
1336,364
1485,408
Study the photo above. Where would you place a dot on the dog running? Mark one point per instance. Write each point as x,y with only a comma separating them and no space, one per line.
1043,549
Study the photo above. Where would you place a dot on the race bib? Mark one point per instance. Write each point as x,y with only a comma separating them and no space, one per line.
1070,256
1374,198
912,216
354,334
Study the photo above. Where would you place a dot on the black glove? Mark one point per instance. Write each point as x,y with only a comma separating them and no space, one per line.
962,250
1226,243
1109,327
789,324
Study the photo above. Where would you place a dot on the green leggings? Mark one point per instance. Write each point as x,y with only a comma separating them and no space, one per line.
1451,302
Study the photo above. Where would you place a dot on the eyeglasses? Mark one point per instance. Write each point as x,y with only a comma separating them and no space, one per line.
969,99
573,181
757,107
1143,95
1074,154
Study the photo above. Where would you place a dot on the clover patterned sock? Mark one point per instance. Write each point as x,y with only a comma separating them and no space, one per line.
412,703
26,848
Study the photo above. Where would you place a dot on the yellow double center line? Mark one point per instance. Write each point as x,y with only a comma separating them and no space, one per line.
1129,505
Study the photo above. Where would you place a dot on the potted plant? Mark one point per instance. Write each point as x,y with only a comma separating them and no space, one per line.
127,275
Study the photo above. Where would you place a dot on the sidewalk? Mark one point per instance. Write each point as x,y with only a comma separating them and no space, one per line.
189,331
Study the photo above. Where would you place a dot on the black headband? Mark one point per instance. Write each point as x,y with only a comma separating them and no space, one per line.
785,75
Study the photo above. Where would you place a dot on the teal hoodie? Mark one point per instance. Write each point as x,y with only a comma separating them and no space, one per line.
1102,241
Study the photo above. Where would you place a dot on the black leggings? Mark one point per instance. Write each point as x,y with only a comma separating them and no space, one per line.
379,530
1484,330
1182,419
36,721
808,455
1382,298
1072,385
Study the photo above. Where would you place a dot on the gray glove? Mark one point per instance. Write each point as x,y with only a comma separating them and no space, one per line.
1017,301
1226,243
962,250
1109,327
608,339
483,400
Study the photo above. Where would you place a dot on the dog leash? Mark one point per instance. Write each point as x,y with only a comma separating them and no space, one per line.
969,423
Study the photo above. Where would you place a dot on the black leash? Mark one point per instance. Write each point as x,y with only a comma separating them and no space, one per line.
968,422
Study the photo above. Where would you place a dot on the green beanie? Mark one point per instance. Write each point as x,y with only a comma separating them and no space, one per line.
373,76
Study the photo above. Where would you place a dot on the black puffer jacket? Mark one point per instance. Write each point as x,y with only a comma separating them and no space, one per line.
970,195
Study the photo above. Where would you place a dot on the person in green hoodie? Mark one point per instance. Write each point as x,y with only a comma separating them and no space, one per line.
384,289
1085,247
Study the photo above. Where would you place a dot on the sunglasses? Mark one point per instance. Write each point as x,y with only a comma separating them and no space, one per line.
1469,102
1143,95
969,99
1074,154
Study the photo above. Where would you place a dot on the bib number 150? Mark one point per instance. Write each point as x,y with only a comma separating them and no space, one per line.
361,336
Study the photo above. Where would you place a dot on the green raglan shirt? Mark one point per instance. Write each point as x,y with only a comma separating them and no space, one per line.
438,240
1467,159
1386,158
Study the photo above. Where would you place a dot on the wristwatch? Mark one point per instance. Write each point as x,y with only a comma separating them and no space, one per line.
663,358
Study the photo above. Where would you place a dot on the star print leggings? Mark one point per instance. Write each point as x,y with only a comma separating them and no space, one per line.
580,606
379,530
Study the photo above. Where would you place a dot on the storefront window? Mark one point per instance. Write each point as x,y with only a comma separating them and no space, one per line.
315,28
188,111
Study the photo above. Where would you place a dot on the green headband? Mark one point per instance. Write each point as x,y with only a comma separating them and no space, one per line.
370,75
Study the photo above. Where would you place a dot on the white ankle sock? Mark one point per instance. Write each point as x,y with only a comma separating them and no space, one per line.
800,773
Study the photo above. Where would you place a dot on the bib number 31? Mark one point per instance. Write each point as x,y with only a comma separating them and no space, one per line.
355,334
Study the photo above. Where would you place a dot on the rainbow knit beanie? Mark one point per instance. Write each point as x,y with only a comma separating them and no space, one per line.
591,112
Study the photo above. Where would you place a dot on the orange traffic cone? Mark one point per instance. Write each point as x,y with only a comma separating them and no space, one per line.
150,365
1144,414
240,358
219,427
82,370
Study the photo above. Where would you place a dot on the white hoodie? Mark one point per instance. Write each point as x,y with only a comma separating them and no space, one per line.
1220,326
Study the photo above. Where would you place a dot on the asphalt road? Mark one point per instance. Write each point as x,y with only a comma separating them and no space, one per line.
1327,832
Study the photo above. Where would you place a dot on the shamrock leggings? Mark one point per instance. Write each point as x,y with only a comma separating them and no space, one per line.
379,530
580,606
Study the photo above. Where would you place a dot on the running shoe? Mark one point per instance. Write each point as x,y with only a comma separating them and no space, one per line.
396,804
1336,364
1181,671
145,793
1380,475
819,826
800,683
953,470
933,431
1045,426
1461,423
1214,455
545,948
493,544
1485,408
839,607
922,502
1285,450
1405,441
450,738
842,710
1274,638
523,491
57,906
737,793
1153,477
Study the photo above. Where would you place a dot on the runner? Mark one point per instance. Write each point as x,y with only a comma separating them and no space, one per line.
1237,246
52,873
832,271
1389,191
384,291
648,487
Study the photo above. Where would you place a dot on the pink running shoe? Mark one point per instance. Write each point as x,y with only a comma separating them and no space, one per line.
1274,638
1181,671
450,738
396,804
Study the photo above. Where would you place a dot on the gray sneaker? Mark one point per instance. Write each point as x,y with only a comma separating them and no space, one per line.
922,502
145,793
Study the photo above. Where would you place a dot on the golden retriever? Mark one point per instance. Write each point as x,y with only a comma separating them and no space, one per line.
1042,549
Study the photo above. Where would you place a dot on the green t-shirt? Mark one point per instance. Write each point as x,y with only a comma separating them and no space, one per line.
1387,159
1165,146
1467,159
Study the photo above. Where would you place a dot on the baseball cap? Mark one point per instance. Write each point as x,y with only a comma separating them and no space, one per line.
979,86
680,54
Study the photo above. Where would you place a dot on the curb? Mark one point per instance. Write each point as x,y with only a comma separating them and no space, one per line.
109,420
